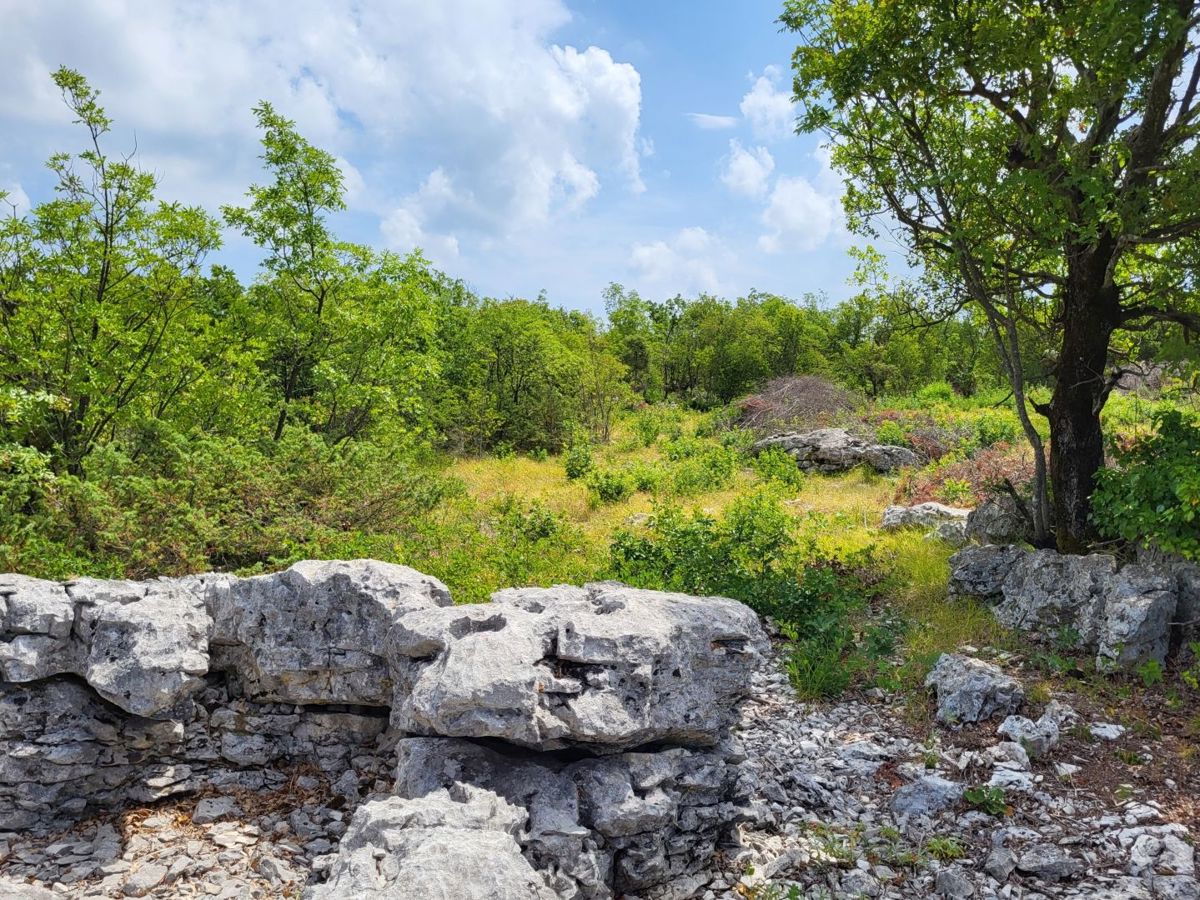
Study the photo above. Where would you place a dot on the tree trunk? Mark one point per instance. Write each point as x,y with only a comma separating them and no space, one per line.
1091,312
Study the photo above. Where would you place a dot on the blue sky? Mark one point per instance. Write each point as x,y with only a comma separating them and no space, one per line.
550,145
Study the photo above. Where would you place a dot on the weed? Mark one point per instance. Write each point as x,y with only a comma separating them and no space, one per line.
945,848
1130,757
1151,672
986,799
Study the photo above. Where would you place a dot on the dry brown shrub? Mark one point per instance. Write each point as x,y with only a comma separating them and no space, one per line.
806,400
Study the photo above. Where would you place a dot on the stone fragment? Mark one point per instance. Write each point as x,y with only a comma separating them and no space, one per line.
926,796
1000,863
144,879
836,450
1048,862
1037,737
605,666
970,690
953,884
210,809
460,844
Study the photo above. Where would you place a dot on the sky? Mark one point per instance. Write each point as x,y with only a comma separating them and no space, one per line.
523,145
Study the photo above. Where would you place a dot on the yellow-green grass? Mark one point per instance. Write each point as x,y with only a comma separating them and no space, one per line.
840,513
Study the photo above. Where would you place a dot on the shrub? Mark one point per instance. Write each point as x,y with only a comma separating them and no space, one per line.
994,427
577,461
647,477
1153,497
775,465
982,473
796,400
892,433
710,469
936,392
608,486
647,425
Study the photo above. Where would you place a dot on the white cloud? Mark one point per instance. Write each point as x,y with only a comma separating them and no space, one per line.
747,172
712,123
15,200
798,216
767,108
686,264
521,128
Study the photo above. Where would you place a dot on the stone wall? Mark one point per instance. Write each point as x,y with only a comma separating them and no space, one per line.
579,733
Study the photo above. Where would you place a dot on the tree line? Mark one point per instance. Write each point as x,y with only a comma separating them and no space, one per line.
119,326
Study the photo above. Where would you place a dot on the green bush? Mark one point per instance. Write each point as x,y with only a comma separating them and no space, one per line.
1153,496
608,486
775,465
711,468
891,433
577,460
647,477
994,427
936,392
647,425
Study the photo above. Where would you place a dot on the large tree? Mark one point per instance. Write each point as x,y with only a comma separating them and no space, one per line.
1039,156
100,292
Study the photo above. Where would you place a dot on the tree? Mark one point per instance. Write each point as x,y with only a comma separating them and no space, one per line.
98,291
1038,157
348,329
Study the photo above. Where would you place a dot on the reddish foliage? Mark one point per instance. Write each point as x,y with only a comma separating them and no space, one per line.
983,472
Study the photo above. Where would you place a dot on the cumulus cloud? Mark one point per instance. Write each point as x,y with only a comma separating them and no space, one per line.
712,123
520,128
768,107
686,264
747,172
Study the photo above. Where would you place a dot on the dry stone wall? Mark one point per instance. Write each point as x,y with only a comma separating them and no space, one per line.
561,742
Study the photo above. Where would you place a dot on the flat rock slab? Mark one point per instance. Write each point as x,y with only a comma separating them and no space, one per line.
603,667
923,515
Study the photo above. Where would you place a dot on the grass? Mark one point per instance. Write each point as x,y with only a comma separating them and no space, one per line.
837,514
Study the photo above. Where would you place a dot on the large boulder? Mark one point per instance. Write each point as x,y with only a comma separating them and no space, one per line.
1121,614
603,667
317,632
459,844
998,520
970,690
618,823
980,572
836,450
142,646
922,515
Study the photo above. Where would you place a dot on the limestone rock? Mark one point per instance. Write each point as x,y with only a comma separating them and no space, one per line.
952,533
620,822
970,690
923,515
998,520
143,646
980,572
1135,627
460,844
836,450
317,632
1037,737
926,796
605,667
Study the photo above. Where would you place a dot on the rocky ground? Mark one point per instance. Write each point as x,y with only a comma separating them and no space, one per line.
852,800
